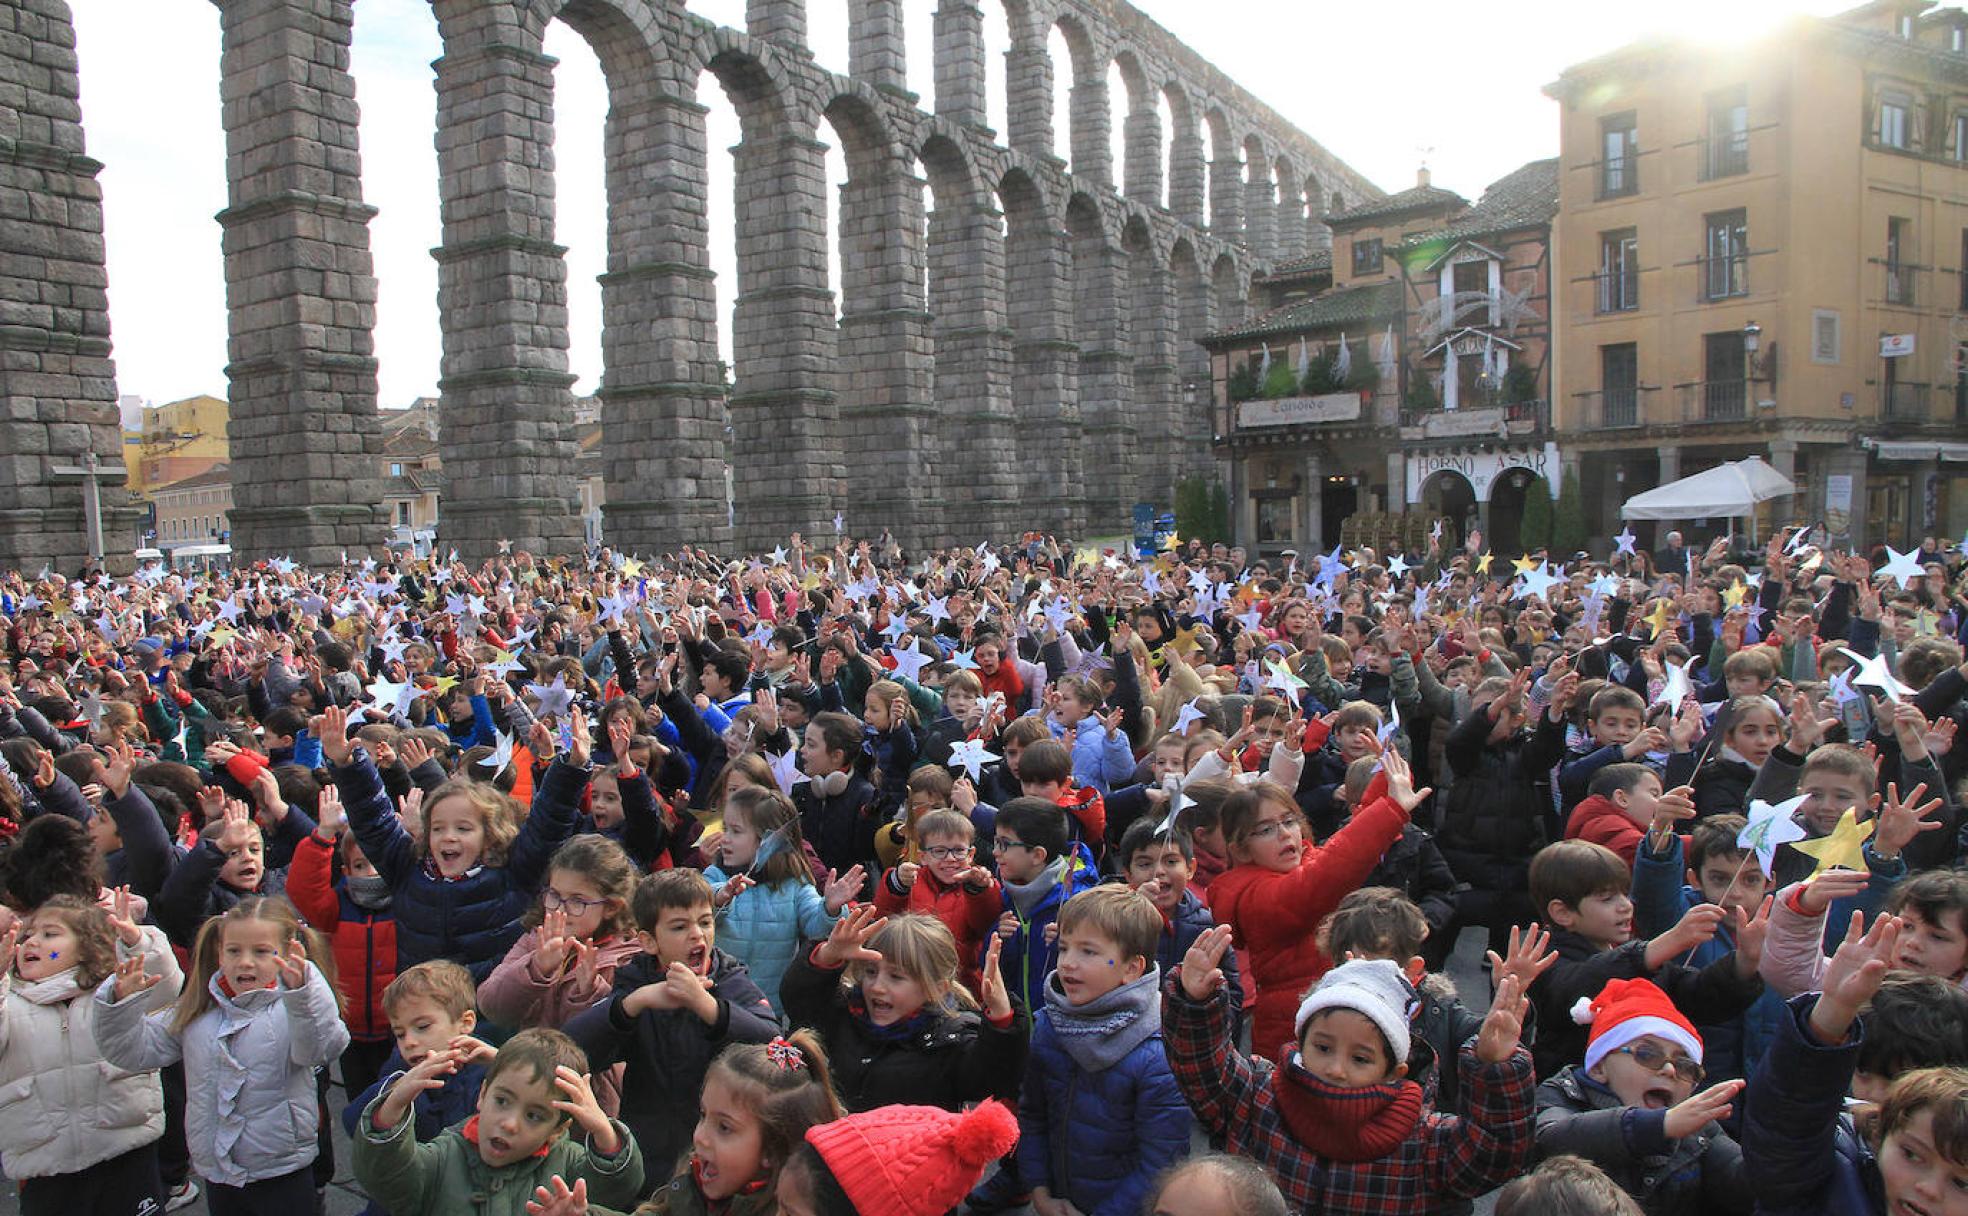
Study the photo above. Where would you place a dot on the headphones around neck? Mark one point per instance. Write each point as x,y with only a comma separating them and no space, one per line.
830,785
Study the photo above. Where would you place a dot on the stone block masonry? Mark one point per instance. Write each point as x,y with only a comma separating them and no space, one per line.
1013,357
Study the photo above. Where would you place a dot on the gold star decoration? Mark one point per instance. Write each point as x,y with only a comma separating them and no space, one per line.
1840,850
1657,619
446,684
1483,563
1184,641
1524,564
1733,597
631,568
1171,542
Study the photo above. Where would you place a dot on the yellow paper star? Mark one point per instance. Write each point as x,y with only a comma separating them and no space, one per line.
1926,624
1483,563
1840,850
222,635
1733,597
1185,640
1657,619
811,580
631,568
446,684
1172,541
1524,564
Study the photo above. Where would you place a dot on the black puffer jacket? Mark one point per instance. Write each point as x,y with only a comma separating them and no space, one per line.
1698,1175
1499,811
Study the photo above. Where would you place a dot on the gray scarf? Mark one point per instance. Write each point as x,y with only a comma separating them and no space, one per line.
1029,895
370,893
1101,1033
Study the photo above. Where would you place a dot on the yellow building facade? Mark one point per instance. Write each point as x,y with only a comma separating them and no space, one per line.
179,440
1764,251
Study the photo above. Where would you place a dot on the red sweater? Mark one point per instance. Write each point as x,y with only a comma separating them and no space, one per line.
1275,916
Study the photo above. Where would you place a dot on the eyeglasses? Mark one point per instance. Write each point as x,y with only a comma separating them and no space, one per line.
554,901
1269,828
1652,1058
948,852
1000,844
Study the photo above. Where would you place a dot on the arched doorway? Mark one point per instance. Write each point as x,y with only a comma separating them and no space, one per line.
1339,497
1507,499
1448,496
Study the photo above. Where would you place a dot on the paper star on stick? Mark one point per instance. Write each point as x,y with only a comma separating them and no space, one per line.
1624,541
1841,849
785,771
1186,715
971,757
1770,826
1283,680
1483,563
1903,566
909,662
555,698
1657,619
501,756
1873,673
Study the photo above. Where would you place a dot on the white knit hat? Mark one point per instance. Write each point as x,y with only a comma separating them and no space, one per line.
1373,988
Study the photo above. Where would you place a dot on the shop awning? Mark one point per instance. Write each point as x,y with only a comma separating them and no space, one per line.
1903,449
1729,490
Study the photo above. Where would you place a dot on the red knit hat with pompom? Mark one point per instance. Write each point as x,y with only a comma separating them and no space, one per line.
913,1160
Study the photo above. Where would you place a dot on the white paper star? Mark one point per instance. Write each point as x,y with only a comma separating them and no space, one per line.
555,698
1537,582
840,523
392,696
1770,826
939,609
393,648
785,770
1903,566
779,556
1397,565
502,754
1873,673
964,660
909,662
1187,715
1625,541
456,605
230,610
1674,689
505,546
1283,680
970,755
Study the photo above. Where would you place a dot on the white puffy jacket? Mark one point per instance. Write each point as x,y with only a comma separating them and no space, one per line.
250,1111
63,1107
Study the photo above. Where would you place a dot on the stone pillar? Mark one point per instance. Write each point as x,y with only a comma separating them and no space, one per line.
962,88
1783,458
875,53
974,371
1312,531
779,21
887,415
1290,226
1151,290
300,287
1045,376
1188,177
506,437
1260,210
1028,99
1093,147
1847,462
1144,157
1101,323
662,385
1226,184
786,455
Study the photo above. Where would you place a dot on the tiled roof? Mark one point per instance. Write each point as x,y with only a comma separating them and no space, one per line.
1311,263
218,475
1347,306
1417,198
1520,199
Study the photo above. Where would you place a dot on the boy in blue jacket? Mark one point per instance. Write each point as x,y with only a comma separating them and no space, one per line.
1160,865
1101,1114
1720,873
1039,869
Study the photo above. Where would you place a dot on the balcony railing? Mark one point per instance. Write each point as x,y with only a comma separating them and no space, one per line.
1724,277
1725,155
1903,402
1897,282
1714,401
1613,409
1619,176
1617,290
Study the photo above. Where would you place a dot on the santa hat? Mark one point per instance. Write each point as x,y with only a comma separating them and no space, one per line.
913,1160
1626,1010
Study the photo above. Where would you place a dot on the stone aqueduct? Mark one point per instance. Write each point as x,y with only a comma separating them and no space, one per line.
1034,376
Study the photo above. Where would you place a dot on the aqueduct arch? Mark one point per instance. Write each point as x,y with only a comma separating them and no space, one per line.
1039,379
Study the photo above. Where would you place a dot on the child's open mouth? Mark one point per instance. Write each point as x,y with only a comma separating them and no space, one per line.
1907,1207
498,1146
1657,1099
698,957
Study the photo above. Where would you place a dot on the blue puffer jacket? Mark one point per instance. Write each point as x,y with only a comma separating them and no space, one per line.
763,927
1660,900
1179,932
1028,957
471,920
1100,1113
1797,1141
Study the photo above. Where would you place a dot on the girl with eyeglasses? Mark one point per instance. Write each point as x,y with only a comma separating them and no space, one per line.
768,893
578,932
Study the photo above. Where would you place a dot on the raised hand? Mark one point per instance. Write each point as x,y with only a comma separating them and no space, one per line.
1825,889
122,917
840,890
131,978
1528,957
1696,926
733,887
559,1199
413,751
1900,821
294,964
236,829
578,1103
115,767
848,941
472,1050
1503,1026
427,1074
621,733
1807,730
1751,932
1400,780
991,991
1853,976
331,727
1202,964
1709,1106
1675,806
580,742
540,741
1652,739
550,955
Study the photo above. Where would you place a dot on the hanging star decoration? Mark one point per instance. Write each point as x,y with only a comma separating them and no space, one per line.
1770,826
970,755
1842,850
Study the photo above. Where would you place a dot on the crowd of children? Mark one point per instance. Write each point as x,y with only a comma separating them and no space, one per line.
846,882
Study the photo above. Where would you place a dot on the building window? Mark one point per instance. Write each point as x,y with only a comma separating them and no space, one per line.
1619,384
396,469
1619,270
1895,120
1825,338
1899,268
1957,40
1728,133
1366,256
1619,150
1906,26
403,513
1725,371
1726,262
1472,278
1961,134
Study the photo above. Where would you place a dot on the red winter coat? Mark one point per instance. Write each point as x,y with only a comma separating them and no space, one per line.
1276,916
364,943
1598,820
968,914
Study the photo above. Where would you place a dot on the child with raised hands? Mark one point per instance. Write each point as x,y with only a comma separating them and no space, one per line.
460,889
135,845
622,803
1581,891
537,1120
78,1138
883,994
229,863
578,934
1632,1108
257,1016
944,879
769,899
1280,886
1809,1159
1337,1122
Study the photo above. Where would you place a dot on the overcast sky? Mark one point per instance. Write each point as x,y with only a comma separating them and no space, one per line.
1440,84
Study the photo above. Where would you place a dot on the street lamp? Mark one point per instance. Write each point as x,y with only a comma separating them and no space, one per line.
1752,339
